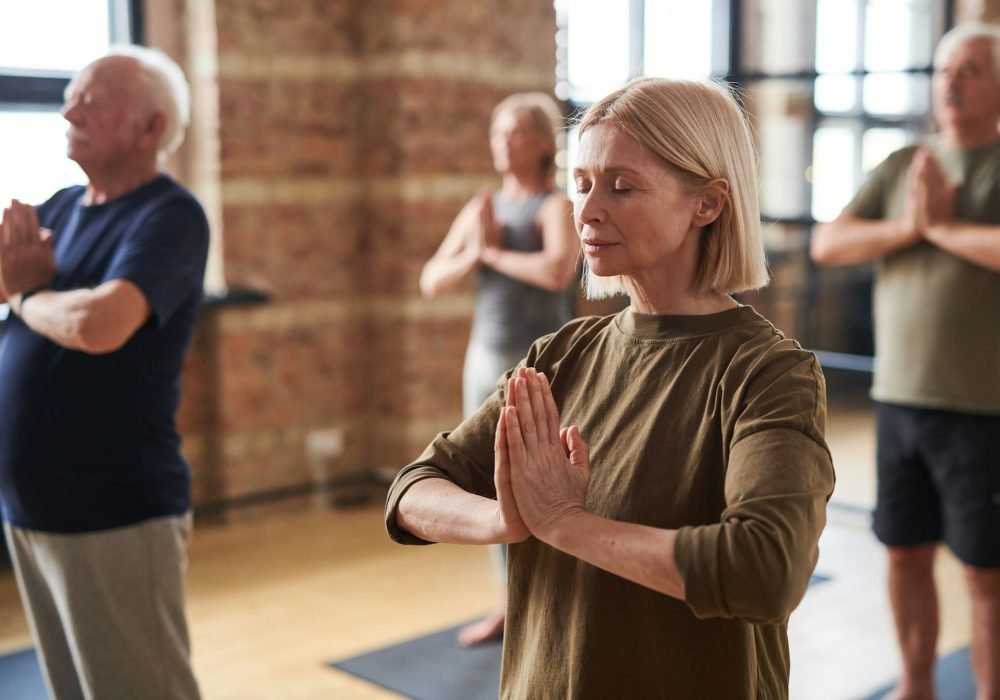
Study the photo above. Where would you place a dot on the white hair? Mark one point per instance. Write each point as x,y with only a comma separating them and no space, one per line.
165,87
962,34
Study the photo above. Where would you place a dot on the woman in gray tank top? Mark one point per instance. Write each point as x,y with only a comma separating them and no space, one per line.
520,245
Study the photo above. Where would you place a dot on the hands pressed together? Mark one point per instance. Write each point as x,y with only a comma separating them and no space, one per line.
930,195
542,471
487,235
26,257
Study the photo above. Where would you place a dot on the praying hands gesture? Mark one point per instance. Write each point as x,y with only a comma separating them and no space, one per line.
26,258
487,233
930,195
542,471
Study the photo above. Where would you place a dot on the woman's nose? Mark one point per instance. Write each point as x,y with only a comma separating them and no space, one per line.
588,208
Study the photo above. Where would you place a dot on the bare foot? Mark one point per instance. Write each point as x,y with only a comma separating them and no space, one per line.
481,631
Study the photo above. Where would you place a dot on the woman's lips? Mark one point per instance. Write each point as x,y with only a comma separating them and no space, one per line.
594,246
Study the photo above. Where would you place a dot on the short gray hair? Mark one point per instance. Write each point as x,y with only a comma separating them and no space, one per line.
165,87
961,34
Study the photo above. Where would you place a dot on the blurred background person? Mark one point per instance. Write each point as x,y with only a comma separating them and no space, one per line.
930,216
519,244
104,282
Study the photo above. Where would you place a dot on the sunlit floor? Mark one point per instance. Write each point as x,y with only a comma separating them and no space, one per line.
271,601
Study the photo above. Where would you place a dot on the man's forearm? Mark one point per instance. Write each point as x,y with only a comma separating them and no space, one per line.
976,243
854,241
59,316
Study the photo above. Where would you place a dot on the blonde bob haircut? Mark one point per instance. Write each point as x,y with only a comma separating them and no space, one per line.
544,117
699,131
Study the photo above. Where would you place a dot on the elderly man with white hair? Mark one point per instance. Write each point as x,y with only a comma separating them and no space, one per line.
104,282
930,216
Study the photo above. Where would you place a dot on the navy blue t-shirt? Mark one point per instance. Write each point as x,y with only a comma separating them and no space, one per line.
88,442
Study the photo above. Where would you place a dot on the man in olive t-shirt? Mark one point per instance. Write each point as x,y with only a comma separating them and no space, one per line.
930,216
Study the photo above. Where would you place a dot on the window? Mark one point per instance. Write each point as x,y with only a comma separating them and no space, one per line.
832,87
33,75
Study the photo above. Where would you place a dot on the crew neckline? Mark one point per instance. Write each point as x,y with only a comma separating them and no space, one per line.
676,326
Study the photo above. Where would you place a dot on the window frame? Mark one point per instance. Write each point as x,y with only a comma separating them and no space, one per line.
727,61
42,90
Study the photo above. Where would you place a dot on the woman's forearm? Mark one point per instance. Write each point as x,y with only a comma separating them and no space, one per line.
444,273
540,269
639,553
437,510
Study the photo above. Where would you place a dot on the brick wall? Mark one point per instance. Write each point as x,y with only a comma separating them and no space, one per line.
334,142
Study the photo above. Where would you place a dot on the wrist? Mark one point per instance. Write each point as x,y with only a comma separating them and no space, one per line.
559,531
936,231
18,300
488,255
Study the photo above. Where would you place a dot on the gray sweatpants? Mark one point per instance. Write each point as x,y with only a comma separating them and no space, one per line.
106,609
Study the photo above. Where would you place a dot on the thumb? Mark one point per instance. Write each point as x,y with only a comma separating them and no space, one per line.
578,449
45,235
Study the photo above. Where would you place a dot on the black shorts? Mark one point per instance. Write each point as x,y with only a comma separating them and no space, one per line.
939,480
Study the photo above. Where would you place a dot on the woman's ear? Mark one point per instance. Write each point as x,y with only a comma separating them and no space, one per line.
712,198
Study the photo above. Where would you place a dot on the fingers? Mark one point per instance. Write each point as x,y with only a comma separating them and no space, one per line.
5,227
21,233
516,449
529,392
31,214
549,406
500,444
577,448
23,224
527,426
538,406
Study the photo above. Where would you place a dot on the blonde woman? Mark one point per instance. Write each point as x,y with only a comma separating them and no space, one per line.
660,475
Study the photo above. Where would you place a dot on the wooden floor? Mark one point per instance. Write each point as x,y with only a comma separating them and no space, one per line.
271,601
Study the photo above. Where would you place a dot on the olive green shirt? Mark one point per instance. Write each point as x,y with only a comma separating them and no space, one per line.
712,425
937,316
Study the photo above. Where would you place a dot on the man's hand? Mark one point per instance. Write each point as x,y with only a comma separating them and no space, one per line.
937,192
26,258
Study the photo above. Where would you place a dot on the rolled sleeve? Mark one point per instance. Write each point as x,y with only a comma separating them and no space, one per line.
756,563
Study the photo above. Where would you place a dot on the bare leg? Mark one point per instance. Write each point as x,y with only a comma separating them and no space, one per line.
984,589
487,629
913,596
